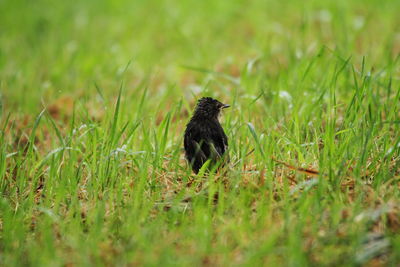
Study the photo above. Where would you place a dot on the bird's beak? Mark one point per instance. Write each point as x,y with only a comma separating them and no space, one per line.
225,106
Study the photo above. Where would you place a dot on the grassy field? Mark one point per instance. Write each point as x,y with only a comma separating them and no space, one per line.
95,96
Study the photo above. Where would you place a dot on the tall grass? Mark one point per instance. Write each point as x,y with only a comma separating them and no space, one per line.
95,96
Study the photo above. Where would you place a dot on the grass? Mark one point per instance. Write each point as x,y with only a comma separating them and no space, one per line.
95,96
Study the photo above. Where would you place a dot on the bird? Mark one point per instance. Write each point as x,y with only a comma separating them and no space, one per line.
204,137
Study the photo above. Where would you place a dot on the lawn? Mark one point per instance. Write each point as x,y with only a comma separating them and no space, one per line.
94,99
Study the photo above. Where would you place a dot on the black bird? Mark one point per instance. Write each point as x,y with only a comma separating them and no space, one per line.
204,137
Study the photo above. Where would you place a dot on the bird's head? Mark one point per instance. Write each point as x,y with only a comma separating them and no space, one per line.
209,108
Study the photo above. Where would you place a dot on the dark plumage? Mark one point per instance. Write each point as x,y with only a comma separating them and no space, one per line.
204,137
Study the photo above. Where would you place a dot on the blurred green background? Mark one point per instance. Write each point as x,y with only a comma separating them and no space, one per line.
50,48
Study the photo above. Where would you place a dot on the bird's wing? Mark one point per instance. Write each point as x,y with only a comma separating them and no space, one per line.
205,142
199,151
219,141
192,146
215,153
